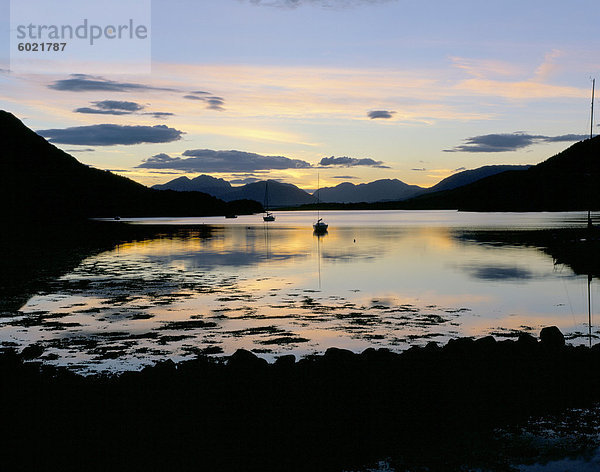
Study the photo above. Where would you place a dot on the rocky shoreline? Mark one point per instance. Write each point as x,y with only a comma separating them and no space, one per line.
431,408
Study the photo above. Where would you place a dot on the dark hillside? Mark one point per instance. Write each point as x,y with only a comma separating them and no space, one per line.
41,181
569,180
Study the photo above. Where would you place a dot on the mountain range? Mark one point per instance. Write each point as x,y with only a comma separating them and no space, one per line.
284,195
279,194
38,180
379,190
567,181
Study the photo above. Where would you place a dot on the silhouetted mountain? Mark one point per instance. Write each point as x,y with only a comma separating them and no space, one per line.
219,188
566,181
39,180
379,190
280,194
469,176
394,189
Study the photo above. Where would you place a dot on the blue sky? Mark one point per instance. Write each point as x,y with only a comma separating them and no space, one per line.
407,90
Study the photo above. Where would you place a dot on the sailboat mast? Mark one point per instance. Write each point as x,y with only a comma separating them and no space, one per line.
267,195
592,114
318,195
589,283
589,217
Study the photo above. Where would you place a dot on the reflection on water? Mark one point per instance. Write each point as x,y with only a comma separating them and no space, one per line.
278,289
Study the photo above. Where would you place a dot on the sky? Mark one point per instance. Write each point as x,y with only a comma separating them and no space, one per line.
347,90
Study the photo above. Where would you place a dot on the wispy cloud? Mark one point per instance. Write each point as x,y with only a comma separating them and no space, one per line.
521,90
111,107
88,83
159,114
549,66
380,114
351,162
501,79
208,160
96,111
167,172
212,102
117,107
510,142
110,134
256,91
244,181
344,177
215,103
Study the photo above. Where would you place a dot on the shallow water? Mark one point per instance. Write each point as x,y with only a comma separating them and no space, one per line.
383,279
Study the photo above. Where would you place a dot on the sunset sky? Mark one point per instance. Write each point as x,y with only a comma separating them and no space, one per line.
389,89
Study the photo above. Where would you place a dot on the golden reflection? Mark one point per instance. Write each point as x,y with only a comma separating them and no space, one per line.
438,238
278,289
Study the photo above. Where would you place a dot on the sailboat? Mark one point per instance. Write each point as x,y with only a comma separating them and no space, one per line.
269,216
590,224
320,226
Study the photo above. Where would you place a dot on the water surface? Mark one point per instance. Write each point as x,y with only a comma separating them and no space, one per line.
382,279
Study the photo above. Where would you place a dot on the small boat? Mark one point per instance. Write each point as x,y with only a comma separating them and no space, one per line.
269,216
231,216
320,227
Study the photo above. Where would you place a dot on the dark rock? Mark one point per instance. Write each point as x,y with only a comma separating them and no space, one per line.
432,403
244,359
413,351
552,338
286,361
526,340
486,343
334,354
162,369
460,346
32,352
379,356
369,352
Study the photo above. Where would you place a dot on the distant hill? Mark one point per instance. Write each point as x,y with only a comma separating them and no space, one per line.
288,195
567,181
469,176
219,188
394,189
38,180
379,190
280,194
